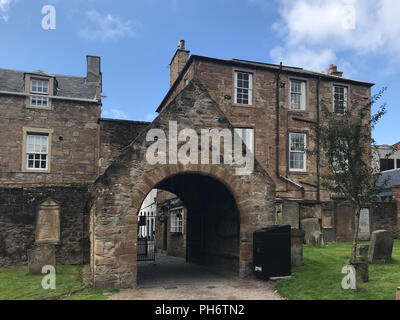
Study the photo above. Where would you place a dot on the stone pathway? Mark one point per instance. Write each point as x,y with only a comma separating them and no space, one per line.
170,278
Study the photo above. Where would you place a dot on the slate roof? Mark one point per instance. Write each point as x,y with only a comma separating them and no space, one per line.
66,86
392,178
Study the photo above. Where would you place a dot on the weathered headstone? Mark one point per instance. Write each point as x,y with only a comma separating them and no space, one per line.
290,214
316,238
361,271
39,256
364,230
309,225
297,238
48,223
362,251
381,246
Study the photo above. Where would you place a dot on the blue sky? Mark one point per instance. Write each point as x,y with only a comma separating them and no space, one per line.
136,40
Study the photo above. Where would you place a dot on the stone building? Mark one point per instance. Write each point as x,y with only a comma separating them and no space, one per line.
56,151
171,225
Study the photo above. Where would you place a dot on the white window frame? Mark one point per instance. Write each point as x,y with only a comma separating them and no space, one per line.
345,97
26,131
38,139
301,93
177,225
39,98
250,88
304,152
249,138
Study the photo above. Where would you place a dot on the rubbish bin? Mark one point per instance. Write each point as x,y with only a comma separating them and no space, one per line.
271,252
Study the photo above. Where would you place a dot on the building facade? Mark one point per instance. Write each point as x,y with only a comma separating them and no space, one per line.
58,155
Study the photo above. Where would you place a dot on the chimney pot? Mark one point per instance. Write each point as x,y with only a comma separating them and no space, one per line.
181,45
332,71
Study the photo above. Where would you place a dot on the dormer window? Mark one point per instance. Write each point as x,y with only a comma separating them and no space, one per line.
39,90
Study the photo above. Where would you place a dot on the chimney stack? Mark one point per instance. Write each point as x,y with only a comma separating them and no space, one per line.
93,73
178,62
332,71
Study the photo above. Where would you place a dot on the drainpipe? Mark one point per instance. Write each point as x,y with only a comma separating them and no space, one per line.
277,140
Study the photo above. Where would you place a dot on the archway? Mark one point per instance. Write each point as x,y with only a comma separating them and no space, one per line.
209,230
120,191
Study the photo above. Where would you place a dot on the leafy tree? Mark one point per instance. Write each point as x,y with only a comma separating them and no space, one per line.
345,153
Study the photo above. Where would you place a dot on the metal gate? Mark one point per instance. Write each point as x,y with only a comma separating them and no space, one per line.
146,241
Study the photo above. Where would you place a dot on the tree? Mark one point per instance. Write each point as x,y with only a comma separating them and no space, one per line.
345,156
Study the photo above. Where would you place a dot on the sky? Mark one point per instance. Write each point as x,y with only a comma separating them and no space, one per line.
137,39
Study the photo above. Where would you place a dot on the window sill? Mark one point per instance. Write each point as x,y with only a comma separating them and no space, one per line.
243,105
38,108
36,171
298,172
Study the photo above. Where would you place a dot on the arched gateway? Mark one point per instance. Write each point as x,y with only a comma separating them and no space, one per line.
120,191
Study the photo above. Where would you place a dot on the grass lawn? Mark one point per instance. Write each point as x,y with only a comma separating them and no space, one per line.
320,278
17,284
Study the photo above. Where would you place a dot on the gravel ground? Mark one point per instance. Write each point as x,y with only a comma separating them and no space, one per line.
170,278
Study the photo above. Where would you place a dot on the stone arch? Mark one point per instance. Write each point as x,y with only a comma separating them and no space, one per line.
119,192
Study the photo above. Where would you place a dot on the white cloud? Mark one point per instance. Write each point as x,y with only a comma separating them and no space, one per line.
105,27
115,114
4,8
316,60
323,27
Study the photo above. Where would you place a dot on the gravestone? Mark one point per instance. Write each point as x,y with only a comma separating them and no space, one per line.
39,256
309,225
297,238
364,230
381,246
290,214
316,238
362,251
48,223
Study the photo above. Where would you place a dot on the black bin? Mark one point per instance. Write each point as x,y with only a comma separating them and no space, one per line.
271,252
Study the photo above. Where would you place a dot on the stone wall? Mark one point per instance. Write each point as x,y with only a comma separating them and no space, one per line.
218,78
18,214
74,143
384,217
116,135
120,191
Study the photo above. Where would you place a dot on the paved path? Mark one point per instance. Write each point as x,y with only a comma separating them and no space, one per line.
170,278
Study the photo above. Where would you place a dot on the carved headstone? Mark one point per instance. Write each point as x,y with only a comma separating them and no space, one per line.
290,214
39,256
362,251
297,238
309,225
364,231
316,238
381,246
48,223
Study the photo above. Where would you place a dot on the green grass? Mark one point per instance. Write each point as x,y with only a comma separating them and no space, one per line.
320,278
18,284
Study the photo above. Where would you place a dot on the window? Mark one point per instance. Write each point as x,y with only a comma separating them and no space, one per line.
397,163
297,151
386,164
243,88
37,151
247,136
340,99
40,90
177,220
297,95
